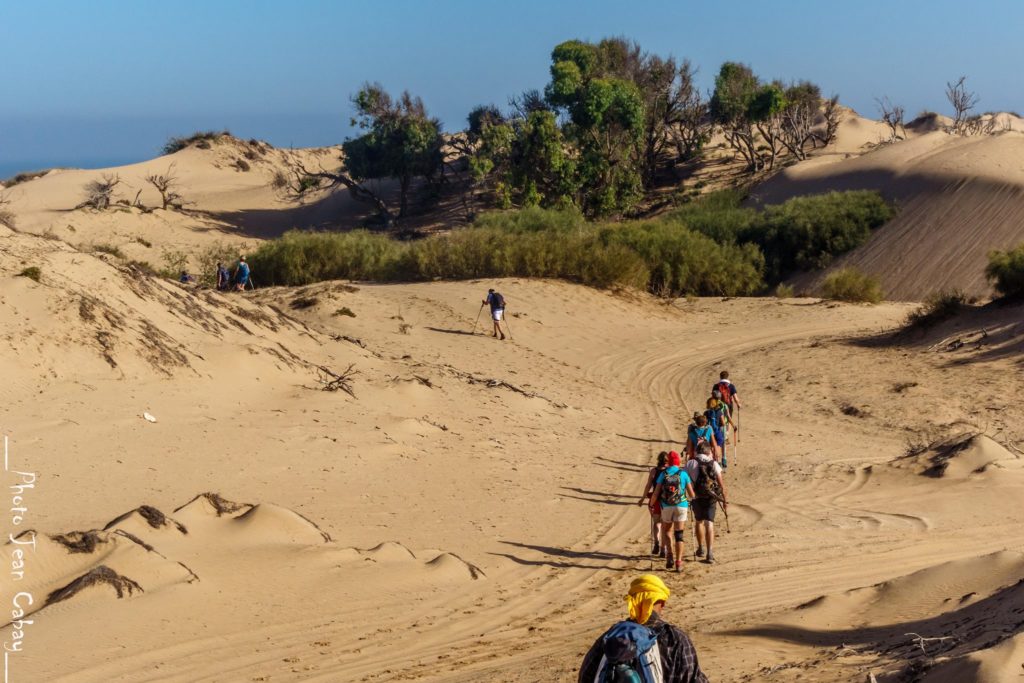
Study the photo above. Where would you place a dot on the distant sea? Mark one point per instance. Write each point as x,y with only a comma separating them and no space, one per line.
10,168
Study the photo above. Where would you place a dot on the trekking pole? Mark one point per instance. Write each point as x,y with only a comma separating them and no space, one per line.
726,513
477,318
508,327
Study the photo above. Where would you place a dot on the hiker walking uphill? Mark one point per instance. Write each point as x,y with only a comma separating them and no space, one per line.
654,506
644,648
729,394
672,492
241,274
718,419
497,303
709,487
701,433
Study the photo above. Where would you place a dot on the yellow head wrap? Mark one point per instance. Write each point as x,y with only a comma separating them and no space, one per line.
643,593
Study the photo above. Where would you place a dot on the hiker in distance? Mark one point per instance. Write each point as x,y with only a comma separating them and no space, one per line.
654,506
241,274
719,419
709,486
497,303
672,491
730,396
645,648
223,277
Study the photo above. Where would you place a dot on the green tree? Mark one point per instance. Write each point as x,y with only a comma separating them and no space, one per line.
401,142
606,124
736,87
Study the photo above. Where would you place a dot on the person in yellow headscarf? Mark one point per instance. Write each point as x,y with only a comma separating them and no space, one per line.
644,647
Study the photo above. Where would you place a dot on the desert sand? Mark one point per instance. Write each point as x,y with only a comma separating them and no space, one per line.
468,512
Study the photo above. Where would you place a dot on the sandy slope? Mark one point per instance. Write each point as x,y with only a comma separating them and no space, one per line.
469,515
958,199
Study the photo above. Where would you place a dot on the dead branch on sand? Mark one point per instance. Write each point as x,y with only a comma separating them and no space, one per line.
96,576
333,381
491,383
922,641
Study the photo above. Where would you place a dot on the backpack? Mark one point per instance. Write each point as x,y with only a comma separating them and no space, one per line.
725,388
672,489
497,300
631,655
707,482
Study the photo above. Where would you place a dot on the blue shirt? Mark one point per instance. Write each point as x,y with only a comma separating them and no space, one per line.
684,479
243,272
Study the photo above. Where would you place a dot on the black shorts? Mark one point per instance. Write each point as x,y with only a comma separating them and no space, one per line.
703,509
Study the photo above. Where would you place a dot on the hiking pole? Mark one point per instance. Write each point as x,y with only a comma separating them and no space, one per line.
477,318
726,513
508,327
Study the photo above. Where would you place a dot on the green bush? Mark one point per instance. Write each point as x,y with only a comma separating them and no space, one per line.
937,308
783,291
850,284
1006,271
807,233
201,139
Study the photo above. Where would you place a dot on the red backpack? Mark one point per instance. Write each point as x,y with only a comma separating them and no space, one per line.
725,388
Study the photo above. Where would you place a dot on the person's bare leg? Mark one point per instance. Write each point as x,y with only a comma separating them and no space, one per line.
680,527
699,526
666,539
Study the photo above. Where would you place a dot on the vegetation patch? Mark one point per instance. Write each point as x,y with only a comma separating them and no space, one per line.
1005,271
32,273
201,139
937,308
850,284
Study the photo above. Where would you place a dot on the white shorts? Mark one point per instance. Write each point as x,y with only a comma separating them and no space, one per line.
674,514
497,314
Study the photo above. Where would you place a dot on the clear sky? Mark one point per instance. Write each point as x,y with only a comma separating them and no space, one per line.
107,81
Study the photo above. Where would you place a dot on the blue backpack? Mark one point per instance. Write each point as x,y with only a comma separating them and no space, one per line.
631,655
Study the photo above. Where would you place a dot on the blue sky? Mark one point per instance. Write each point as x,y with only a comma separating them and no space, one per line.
108,81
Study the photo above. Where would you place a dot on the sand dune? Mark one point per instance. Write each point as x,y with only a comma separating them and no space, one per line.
958,199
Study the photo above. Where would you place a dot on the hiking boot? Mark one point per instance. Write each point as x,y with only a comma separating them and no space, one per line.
502,337
656,550
668,561
711,558
700,552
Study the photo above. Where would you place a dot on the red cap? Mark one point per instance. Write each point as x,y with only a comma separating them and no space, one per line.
673,459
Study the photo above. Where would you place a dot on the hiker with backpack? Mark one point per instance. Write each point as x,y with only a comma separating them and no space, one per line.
654,507
672,492
644,648
702,433
223,277
730,395
718,418
709,488
497,302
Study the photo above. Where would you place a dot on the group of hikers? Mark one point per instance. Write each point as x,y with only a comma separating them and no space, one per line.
674,489
645,648
226,280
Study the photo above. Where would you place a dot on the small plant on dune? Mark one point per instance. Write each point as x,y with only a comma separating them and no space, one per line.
99,193
200,139
6,215
345,310
937,308
175,262
783,291
143,241
108,249
32,273
1005,271
242,165
850,284
24,177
